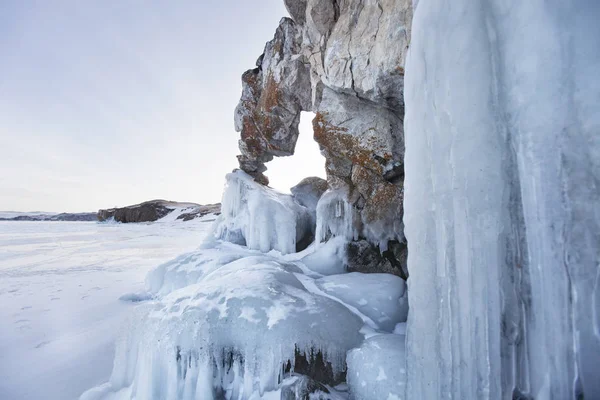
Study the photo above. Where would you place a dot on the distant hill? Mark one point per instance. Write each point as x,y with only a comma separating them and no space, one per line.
148,211
43,216
155,210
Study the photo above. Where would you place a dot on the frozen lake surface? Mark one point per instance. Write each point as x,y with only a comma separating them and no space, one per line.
60,284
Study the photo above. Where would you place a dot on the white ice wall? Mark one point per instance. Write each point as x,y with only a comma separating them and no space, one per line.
502,204
260,217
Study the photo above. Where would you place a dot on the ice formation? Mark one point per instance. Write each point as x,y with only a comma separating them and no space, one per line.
229,332
376,370
502,204
335,216
229,322
260,217
381,297
501,214
327,258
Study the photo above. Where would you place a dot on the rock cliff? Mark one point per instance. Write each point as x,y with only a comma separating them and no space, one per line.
344,61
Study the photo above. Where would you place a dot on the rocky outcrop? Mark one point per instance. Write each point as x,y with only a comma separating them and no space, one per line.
148,211
273,96
154,210
362,256
345,62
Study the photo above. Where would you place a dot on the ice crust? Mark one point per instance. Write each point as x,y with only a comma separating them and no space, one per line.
377,369
502,204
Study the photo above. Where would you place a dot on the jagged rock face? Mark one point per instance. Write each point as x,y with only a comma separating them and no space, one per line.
365,257
273,96
148,211
343,60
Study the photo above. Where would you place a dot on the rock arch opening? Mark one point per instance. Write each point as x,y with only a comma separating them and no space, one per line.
307,160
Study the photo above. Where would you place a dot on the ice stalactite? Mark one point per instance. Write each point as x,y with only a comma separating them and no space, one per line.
335,217
260,217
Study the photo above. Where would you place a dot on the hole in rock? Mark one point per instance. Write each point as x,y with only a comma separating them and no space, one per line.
285,172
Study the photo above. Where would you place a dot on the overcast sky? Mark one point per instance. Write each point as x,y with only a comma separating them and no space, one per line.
112,102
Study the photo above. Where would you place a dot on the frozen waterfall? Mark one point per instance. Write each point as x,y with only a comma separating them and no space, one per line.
502,204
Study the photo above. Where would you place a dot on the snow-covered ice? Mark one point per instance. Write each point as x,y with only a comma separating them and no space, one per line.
60,284
234,329
381,297
327,258
377,369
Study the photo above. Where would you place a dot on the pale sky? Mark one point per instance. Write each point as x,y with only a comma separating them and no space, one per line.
113,102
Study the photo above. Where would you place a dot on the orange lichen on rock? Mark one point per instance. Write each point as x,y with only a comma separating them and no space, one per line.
386,198
270,95
338,140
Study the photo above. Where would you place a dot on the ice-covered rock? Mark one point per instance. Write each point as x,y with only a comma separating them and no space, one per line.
377,369
363,256
190,268
273,95
260,217
381,297
345,62
308,191
327,258
502,202
232,335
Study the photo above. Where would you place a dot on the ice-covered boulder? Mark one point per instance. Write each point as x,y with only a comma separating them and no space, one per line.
327,258
232,327
308,191
377,369
260,217
190,268
381,297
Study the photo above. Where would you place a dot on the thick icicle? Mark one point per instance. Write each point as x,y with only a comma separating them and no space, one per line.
260,217
502,203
